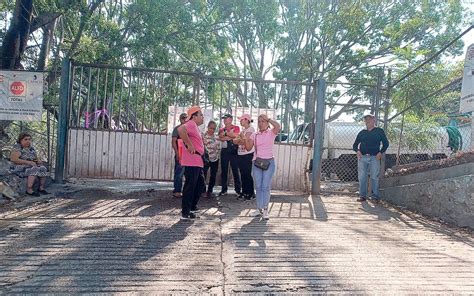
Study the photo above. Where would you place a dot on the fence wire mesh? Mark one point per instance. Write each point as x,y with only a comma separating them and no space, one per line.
429,126
42,132
346,105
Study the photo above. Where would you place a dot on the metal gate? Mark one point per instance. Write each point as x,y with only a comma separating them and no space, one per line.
119,119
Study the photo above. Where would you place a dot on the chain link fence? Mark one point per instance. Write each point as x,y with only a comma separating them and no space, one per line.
42,132
346,104
429,127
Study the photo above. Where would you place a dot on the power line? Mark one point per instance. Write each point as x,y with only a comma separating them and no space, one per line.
433,56
445,87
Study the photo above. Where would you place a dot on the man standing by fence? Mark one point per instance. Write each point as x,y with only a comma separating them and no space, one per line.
178,169
192,161
369,154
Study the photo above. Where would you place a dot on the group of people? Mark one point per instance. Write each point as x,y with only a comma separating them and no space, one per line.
249,153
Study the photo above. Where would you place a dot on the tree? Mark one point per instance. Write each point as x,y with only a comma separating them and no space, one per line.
343,40
291,40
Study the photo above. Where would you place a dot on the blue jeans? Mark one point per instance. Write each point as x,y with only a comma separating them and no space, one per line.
262,183
368,164
178,177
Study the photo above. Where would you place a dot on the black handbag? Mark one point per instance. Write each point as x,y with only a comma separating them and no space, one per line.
261,163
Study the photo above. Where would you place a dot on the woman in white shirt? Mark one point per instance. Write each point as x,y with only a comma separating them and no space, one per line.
245,158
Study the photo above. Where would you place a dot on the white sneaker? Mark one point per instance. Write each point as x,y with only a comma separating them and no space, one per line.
256,213
265,214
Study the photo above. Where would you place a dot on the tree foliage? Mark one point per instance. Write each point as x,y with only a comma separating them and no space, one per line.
282,39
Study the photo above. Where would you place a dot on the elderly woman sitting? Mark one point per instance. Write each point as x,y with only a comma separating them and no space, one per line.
26,162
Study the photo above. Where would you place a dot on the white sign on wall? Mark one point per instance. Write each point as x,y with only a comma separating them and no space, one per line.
21,95
173,117
467,90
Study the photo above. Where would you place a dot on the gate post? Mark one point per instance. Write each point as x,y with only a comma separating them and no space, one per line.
319,124
62,120
385,121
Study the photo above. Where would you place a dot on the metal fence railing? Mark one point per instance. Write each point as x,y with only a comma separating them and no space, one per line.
117,115
150,100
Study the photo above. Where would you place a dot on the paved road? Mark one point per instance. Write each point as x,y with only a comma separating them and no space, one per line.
98,241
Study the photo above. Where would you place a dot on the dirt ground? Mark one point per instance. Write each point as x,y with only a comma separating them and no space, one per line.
460,158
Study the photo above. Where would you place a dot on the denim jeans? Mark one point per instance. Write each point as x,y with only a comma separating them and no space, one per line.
262,183
178,177
368,165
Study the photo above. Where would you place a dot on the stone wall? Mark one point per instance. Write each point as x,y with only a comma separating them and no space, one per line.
12,186
445,193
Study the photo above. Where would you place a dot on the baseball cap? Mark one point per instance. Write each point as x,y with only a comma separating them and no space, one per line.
369,115
246,116
227,116
193,110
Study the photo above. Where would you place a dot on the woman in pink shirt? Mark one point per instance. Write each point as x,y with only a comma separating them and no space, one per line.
263,141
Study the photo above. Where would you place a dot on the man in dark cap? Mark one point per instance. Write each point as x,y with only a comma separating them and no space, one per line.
369,154
229,154
178,169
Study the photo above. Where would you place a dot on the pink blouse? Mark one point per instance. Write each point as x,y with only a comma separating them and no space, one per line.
263,143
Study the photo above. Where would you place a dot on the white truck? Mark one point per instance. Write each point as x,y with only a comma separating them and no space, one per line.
340,160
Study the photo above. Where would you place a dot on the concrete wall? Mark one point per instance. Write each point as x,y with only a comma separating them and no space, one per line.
446,193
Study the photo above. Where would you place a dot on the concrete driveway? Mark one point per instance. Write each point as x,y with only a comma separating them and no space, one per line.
122,237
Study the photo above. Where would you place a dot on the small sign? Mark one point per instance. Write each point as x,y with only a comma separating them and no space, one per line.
16,99
21,95
18,88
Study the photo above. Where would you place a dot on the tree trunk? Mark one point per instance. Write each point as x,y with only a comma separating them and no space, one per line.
13,46
48,32
16,38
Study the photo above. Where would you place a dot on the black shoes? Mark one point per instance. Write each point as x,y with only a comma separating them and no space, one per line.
190,216
250,197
